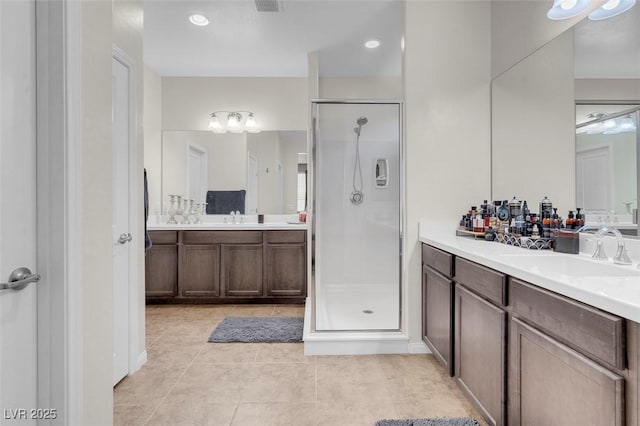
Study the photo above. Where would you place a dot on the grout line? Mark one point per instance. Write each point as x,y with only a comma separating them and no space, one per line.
174,385
234,413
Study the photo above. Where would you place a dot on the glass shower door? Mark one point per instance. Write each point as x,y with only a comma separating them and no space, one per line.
357,216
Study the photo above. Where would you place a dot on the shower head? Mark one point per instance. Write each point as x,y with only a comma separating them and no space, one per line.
361,122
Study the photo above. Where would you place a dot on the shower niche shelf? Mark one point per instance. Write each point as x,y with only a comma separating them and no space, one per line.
382,173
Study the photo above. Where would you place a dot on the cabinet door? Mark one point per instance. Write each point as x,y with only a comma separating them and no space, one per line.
200,270
480,353
161,271
242,270
551,384
437,303
286,270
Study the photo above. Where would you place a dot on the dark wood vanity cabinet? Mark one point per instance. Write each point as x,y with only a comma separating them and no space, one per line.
161,265
567,360
200,270
480,338
524,355
232,266
286,263
437,304
242,270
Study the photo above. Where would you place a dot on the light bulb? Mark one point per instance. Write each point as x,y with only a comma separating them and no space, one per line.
568,4
233,120
611,4
214,123
199,20
372,44
609,124
251,121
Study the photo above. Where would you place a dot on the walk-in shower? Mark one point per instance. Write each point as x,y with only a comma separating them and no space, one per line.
356,216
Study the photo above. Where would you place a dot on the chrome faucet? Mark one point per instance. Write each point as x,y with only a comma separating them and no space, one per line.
621,257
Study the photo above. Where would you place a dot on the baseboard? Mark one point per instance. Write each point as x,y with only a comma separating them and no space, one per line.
142,359
418,348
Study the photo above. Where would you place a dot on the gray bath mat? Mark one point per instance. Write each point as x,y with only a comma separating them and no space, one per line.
258,330
440,421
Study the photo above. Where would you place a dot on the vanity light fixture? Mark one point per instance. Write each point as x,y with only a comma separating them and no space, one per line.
611,8
372,44
567,9
234,122
199,20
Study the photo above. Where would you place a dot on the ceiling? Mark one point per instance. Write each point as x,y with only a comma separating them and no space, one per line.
242,42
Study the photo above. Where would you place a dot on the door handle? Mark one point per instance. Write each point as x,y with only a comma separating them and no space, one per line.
125,238
19,279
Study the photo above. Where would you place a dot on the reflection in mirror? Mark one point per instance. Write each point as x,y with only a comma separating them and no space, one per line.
606,157
261,171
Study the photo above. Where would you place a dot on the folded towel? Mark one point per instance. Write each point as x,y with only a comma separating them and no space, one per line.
224,202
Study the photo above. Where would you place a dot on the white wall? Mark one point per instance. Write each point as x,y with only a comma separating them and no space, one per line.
533,133
447,70
518,28
361,88
278,103
152,123
607,89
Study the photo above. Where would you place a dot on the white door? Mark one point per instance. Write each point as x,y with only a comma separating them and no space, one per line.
197,174
594,180
18,308
252,185
121,229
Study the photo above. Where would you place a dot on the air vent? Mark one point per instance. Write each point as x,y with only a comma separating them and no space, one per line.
267,5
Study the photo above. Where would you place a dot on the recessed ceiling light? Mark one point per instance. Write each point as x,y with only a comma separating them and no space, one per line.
199,20
372,44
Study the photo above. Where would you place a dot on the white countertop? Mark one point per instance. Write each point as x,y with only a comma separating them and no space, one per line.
271,226
612,288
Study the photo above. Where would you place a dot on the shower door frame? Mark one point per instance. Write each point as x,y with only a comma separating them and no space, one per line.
312,184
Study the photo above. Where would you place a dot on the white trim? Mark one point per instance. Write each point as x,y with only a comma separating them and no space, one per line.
142,359
134,177
419,348
59,109
73,264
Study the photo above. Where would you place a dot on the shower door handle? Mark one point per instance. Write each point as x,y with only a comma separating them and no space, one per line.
19,279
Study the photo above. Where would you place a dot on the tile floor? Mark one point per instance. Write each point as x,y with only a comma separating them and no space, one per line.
188,381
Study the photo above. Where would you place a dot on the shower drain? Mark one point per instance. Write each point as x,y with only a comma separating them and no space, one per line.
367,311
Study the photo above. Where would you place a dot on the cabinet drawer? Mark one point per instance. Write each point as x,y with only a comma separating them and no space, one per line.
163,237
221,237
593,332
439,260
486,282
275,237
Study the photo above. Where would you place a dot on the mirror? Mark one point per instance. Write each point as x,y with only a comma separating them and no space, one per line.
269,166
534,110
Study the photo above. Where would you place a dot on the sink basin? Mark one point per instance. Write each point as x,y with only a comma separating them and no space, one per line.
550,263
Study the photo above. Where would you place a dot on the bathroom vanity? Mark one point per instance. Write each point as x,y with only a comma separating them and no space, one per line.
227,263
533,337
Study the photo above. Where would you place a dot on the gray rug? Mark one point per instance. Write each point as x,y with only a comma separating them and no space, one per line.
258,330
440,421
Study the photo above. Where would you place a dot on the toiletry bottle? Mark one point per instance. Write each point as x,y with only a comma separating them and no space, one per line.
579,218
546,224
525,209
555,219
546,205
503,211
514,207
571,222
